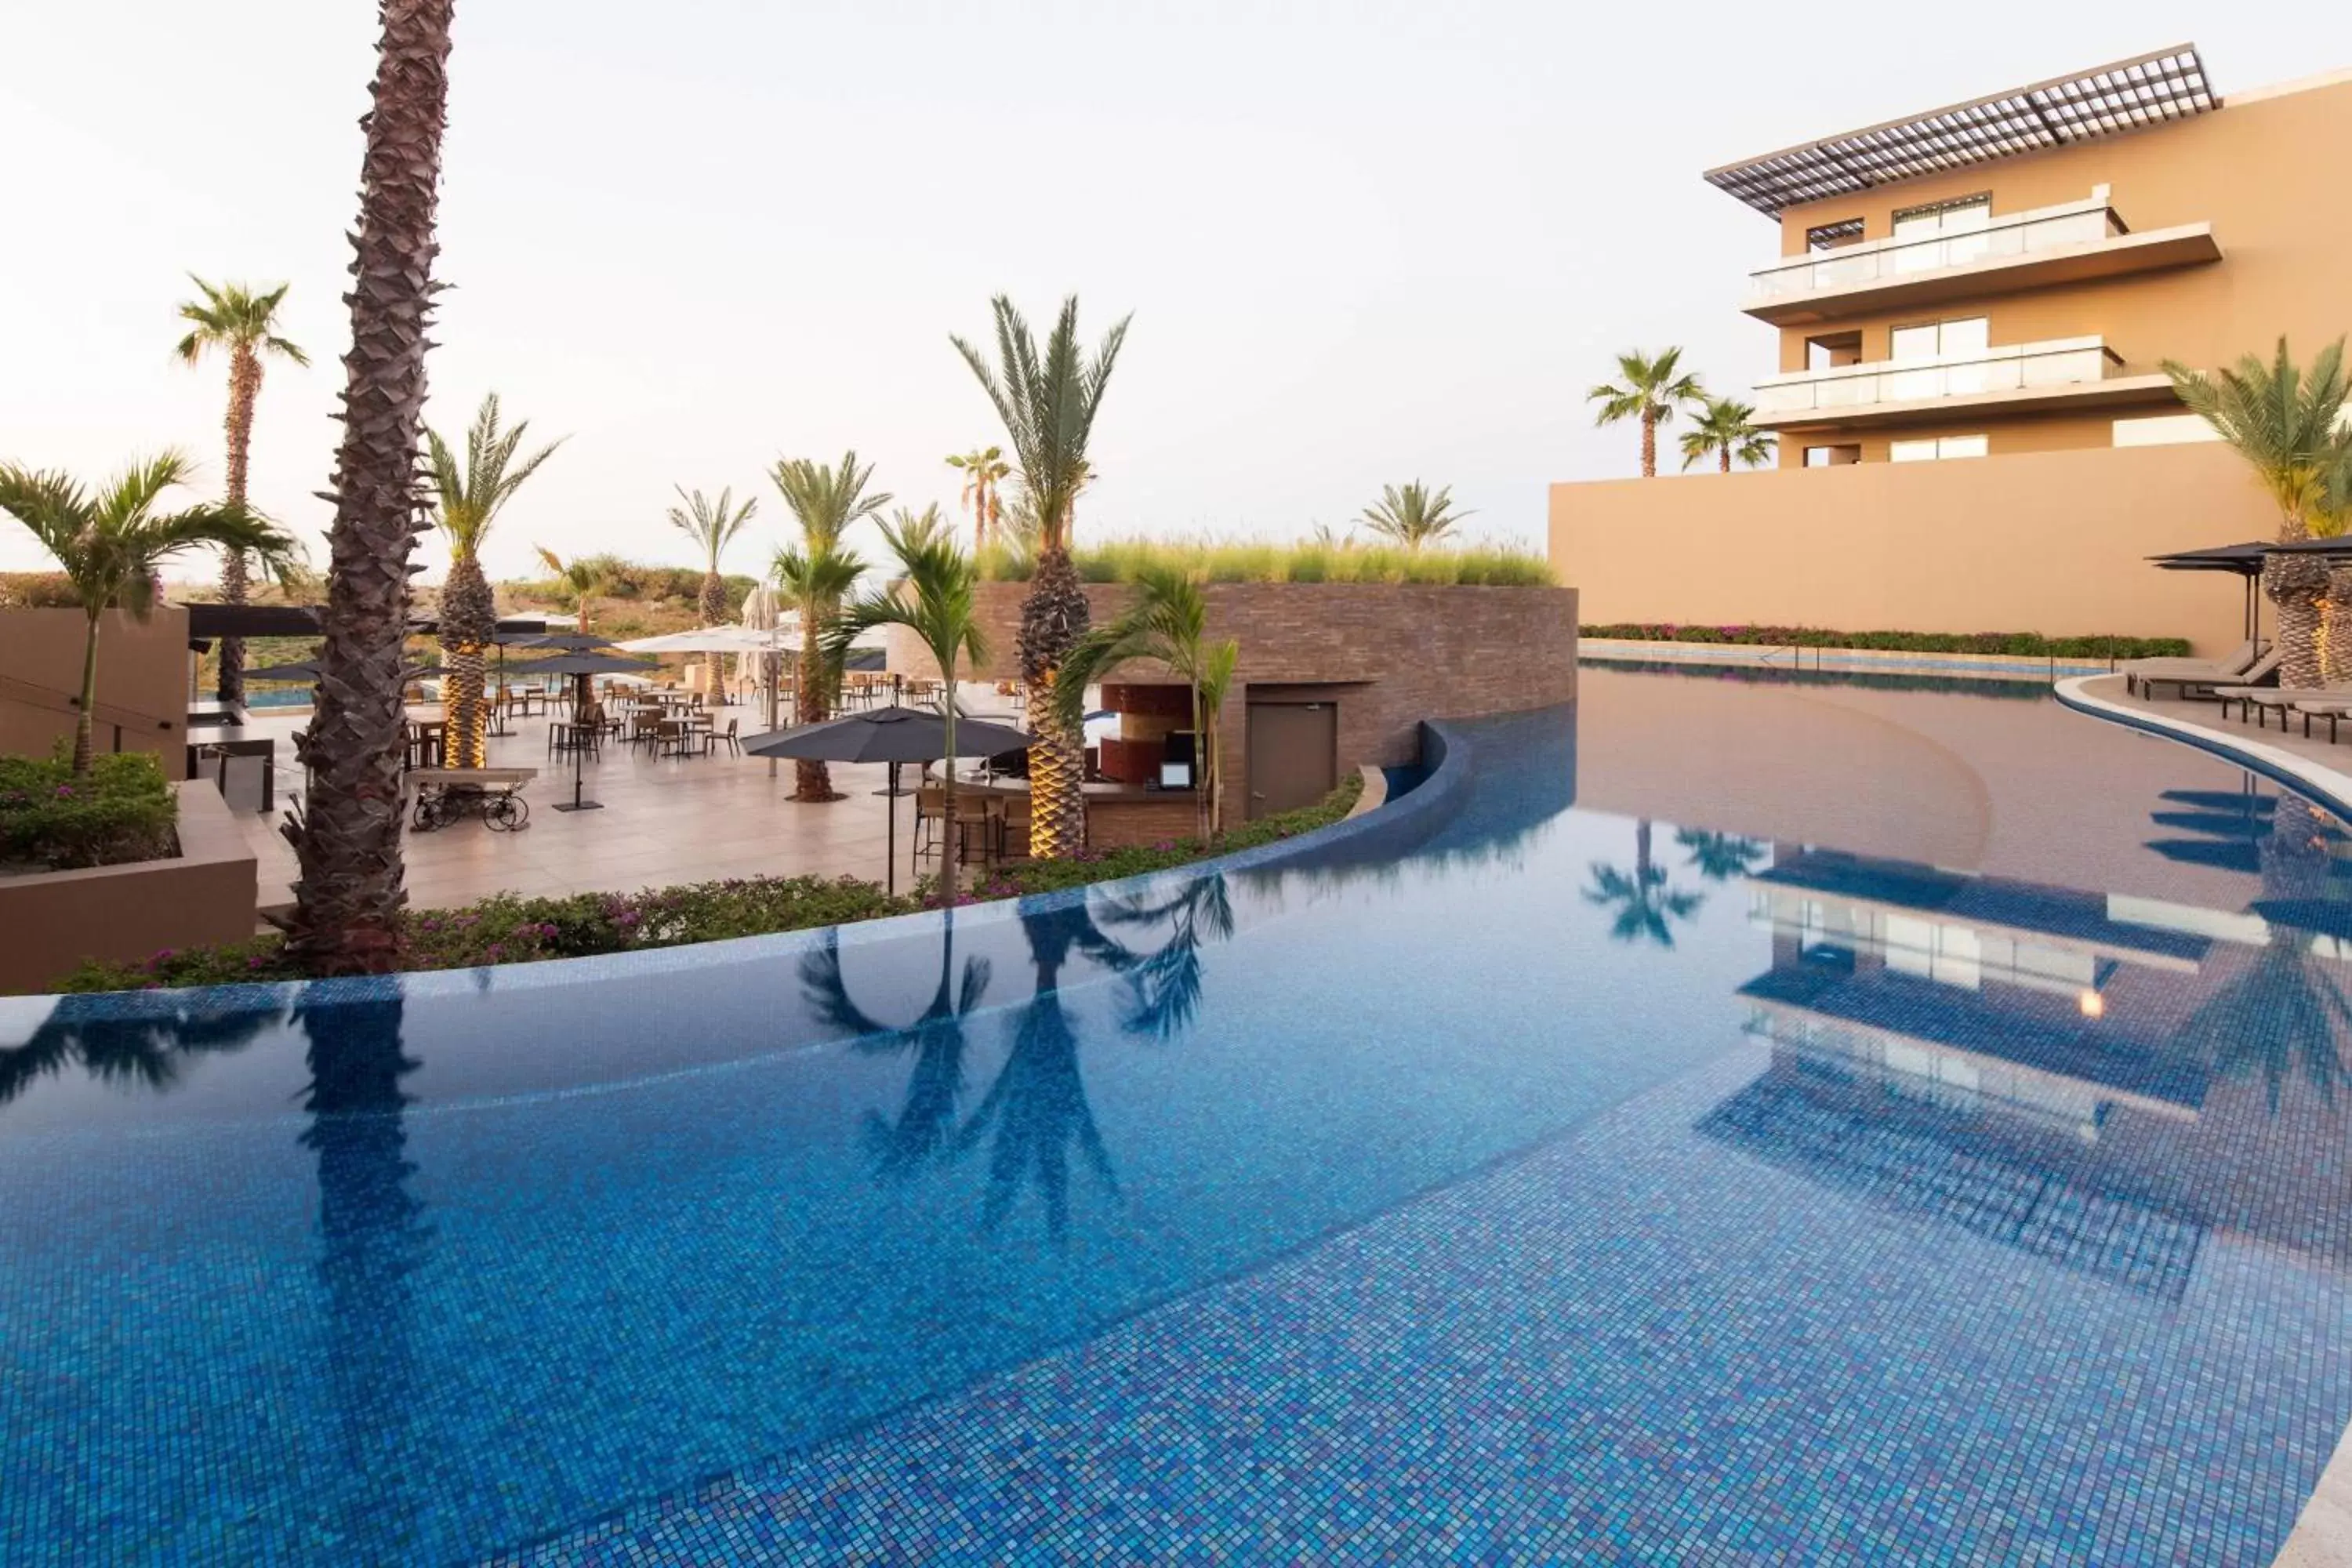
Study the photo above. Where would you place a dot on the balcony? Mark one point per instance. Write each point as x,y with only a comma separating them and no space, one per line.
2059,373
2064,244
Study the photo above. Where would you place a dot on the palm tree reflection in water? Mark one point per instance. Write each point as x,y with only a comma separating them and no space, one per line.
372,1241
1035,1119
147,1050
1646,905
2282,1013
924,1127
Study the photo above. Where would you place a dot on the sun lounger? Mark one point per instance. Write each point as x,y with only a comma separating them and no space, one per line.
2260,675
2335,712
2231,666
2260,701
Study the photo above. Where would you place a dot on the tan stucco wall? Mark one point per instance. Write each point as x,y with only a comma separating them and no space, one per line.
1388,653
2051,542
2245,168
143,682
56,919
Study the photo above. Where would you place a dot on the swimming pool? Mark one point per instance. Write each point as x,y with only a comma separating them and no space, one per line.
1727,1123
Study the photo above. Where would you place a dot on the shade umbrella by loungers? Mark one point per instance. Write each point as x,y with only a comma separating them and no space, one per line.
582,665
2243,560
892,735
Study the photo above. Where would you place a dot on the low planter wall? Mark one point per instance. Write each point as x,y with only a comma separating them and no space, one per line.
55,919
1760,656
1389,655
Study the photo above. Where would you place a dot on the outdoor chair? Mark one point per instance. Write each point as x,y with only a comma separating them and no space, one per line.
2230,666
731,737
930,810
2259,703
2333,712
2259,676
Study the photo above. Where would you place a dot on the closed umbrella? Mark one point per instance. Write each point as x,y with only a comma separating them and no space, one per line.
892,735
582,665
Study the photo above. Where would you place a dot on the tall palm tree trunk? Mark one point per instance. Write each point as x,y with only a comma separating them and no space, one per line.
1649,446
469,621
714,600
1053,617
2335,623
347,903
1726,464
85,717
244,388
811,781
2296,585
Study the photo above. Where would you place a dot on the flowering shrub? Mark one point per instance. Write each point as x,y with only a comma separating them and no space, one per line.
506,928
122,811
2023,644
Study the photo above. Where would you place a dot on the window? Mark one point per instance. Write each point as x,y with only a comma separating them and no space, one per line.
1833,350
1943,218
1953,222
1928,449
1941,339
2164,430
1832,457
1831,235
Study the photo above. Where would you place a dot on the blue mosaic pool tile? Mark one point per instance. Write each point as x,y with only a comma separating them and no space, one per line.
1563,1360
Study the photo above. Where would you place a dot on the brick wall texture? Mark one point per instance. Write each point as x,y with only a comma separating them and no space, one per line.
1388,653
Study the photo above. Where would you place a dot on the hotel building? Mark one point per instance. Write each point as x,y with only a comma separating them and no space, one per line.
1983,296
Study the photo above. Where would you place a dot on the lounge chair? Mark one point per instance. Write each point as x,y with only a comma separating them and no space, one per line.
2259,676
2230,666
2335,712
2262,701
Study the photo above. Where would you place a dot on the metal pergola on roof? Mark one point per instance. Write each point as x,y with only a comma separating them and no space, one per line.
2149,90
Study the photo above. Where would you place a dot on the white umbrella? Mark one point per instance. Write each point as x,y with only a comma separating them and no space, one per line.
703,640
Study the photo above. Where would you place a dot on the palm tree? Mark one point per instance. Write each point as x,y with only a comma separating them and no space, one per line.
984,468
470,495
233,317
1719,857
1168,623
712,525
1646,906
111,544
581,578
1412,515
2287,424
1727,428
349,895
942,615
824,500
1048,405
1650,389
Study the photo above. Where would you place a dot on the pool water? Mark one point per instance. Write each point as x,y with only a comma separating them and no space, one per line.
1728,1121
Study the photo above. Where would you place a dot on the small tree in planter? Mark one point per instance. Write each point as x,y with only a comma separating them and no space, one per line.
1168,623
112,543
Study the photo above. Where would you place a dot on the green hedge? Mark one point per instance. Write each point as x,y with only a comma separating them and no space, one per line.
2027,645
1213,561
122,811
504,929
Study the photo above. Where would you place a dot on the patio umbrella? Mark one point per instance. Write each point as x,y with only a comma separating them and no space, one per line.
892,735
2244,560
580,665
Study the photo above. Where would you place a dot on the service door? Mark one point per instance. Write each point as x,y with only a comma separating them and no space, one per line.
1294,755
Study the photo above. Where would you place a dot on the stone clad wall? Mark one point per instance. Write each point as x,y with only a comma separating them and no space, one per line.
1388,653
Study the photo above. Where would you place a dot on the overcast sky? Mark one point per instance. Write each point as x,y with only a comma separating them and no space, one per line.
1361,242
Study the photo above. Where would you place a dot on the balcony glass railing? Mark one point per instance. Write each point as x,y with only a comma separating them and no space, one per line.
1887,260
2057,363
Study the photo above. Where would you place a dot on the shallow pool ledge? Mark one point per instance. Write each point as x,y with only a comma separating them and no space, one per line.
2328,787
